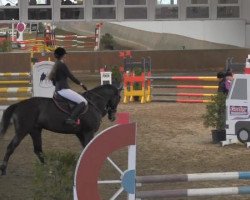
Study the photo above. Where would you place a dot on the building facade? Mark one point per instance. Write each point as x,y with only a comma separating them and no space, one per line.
212,20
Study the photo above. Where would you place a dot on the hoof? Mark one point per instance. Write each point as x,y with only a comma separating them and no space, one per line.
3,173
3,170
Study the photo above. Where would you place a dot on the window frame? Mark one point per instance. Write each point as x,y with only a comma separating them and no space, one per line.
203,5
15,6
199,4
136,6
228,5
103,6
167,6
71,7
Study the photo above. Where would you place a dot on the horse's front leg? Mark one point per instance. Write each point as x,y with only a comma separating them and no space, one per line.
88,137
81,138
85,138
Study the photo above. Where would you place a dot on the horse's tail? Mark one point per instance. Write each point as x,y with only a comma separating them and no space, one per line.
7,114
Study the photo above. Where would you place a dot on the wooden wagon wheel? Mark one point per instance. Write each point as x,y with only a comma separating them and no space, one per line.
93,157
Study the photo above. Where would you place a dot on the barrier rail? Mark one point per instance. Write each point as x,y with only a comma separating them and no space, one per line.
181,93
116,137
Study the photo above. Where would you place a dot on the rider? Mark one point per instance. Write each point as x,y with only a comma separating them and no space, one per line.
58,76
221,85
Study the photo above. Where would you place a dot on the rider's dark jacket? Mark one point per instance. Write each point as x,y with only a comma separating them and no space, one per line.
59,75
222,86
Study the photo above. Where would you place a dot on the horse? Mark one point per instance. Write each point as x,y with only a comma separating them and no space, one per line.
32,115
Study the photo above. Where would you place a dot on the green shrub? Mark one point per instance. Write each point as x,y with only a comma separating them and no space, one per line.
137,72
54,180
5,46
215,116
107,41
116,74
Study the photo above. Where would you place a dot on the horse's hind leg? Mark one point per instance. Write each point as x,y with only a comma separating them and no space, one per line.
37,143
10,149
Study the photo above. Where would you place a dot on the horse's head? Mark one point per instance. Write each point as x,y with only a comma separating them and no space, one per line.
112,105
106,99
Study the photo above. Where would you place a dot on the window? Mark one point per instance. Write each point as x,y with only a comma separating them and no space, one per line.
39,13
199,1
197,9
71,9
166,9
39,2
104,9
135,9
228,9
166,13
198,12
135,2
135,13
167,2
104,2
9,14
228,12
240,88
40,10
228,1
72,2
9,3
104,13
72,13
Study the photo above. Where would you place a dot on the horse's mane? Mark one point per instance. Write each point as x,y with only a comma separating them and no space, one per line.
103,87
100,89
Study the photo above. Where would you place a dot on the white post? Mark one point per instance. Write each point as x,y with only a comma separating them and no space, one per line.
106,78
42,86
98,36
12,31
132,164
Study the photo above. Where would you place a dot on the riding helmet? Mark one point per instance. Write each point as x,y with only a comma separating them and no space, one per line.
59,52
220,75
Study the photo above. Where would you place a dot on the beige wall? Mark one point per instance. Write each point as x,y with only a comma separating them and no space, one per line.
162,61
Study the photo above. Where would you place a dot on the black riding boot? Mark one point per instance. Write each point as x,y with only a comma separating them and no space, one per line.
74,115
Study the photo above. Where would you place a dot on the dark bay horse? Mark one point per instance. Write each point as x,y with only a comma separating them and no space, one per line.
32,115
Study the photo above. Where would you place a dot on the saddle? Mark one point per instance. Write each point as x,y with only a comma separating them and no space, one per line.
66,105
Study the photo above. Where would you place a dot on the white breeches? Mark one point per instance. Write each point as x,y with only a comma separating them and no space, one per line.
72,96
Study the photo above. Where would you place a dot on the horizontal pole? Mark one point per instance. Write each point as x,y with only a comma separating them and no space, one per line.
109,182
13,98
7,74
193,177
193,192
15,82
16,90
181,100
183,94
186,86
179,78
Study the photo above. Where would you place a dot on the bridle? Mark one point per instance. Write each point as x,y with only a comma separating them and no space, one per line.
108,109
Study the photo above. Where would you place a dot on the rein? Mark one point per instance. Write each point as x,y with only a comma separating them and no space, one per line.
91,103
97,95
94,93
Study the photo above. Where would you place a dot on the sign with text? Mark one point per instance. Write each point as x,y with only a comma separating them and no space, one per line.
238,110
